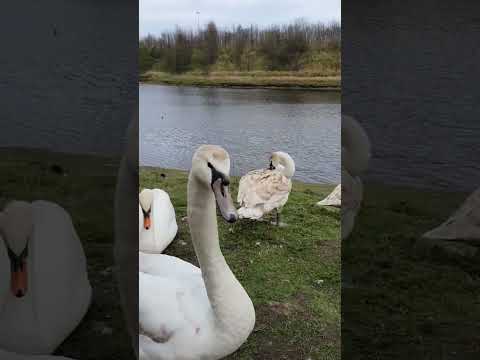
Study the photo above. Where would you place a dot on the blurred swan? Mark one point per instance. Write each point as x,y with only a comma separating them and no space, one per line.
261,191
192,313
44,286
464,224
355,160
159,225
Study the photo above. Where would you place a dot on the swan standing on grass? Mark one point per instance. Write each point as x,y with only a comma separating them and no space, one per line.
44,286
355,159
261,191
158,224
187,313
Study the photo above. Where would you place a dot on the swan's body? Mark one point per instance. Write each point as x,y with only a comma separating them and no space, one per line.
464,224
44,302
355,159
261,191
334,198
186,313
162,227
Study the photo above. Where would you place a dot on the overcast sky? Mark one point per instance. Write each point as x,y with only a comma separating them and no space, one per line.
157,16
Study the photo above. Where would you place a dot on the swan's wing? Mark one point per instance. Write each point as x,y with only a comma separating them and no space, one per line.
265,187
166,265
464,224
62,290
172,311
164,221
140,220
334,198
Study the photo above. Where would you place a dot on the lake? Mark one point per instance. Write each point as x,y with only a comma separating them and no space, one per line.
248,123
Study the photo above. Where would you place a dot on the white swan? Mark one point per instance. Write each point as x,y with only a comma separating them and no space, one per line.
334,198
186,313
464,224
355,159
44,286
261,191
159,225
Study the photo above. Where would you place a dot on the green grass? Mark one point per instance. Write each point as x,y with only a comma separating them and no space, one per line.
89,182
282,269
263,79
404,304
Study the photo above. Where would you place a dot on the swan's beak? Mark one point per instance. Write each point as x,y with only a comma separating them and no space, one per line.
271,166
19,280
147,222
224,201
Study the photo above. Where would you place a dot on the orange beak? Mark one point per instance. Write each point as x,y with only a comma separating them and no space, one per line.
19,281
146,222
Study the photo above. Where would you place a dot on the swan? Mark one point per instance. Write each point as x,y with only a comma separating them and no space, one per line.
334,199
463,224
159,225
355,160
190,313
261,191
44,286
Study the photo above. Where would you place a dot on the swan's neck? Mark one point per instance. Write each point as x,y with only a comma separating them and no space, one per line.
289,169
228,299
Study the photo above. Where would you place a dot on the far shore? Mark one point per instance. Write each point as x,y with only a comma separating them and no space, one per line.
267,80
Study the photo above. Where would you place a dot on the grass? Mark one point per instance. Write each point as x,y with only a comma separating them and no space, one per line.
263,79
399,303
292,274
86,192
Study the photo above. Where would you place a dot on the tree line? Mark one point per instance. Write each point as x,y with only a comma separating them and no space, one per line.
240,48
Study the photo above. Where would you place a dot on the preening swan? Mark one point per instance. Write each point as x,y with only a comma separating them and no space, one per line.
464,224
355,159
44,286
261,191
159,225
334,198
187,313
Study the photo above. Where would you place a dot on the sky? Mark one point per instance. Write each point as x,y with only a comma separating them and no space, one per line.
157,16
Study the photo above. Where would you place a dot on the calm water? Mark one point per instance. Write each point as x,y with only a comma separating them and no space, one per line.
249,123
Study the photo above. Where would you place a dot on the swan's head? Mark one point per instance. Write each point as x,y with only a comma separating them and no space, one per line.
211,168
282,162
146,199
16,227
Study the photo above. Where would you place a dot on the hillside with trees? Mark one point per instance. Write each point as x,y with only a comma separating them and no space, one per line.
301,50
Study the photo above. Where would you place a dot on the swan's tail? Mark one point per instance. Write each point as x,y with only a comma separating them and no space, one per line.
250,213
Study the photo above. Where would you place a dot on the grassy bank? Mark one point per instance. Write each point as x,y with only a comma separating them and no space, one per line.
85,190
398,303
292,274
262,79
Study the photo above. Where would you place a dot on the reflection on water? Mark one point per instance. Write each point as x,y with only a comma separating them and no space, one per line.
249,123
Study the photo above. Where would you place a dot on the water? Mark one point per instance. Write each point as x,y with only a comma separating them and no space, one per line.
248,123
